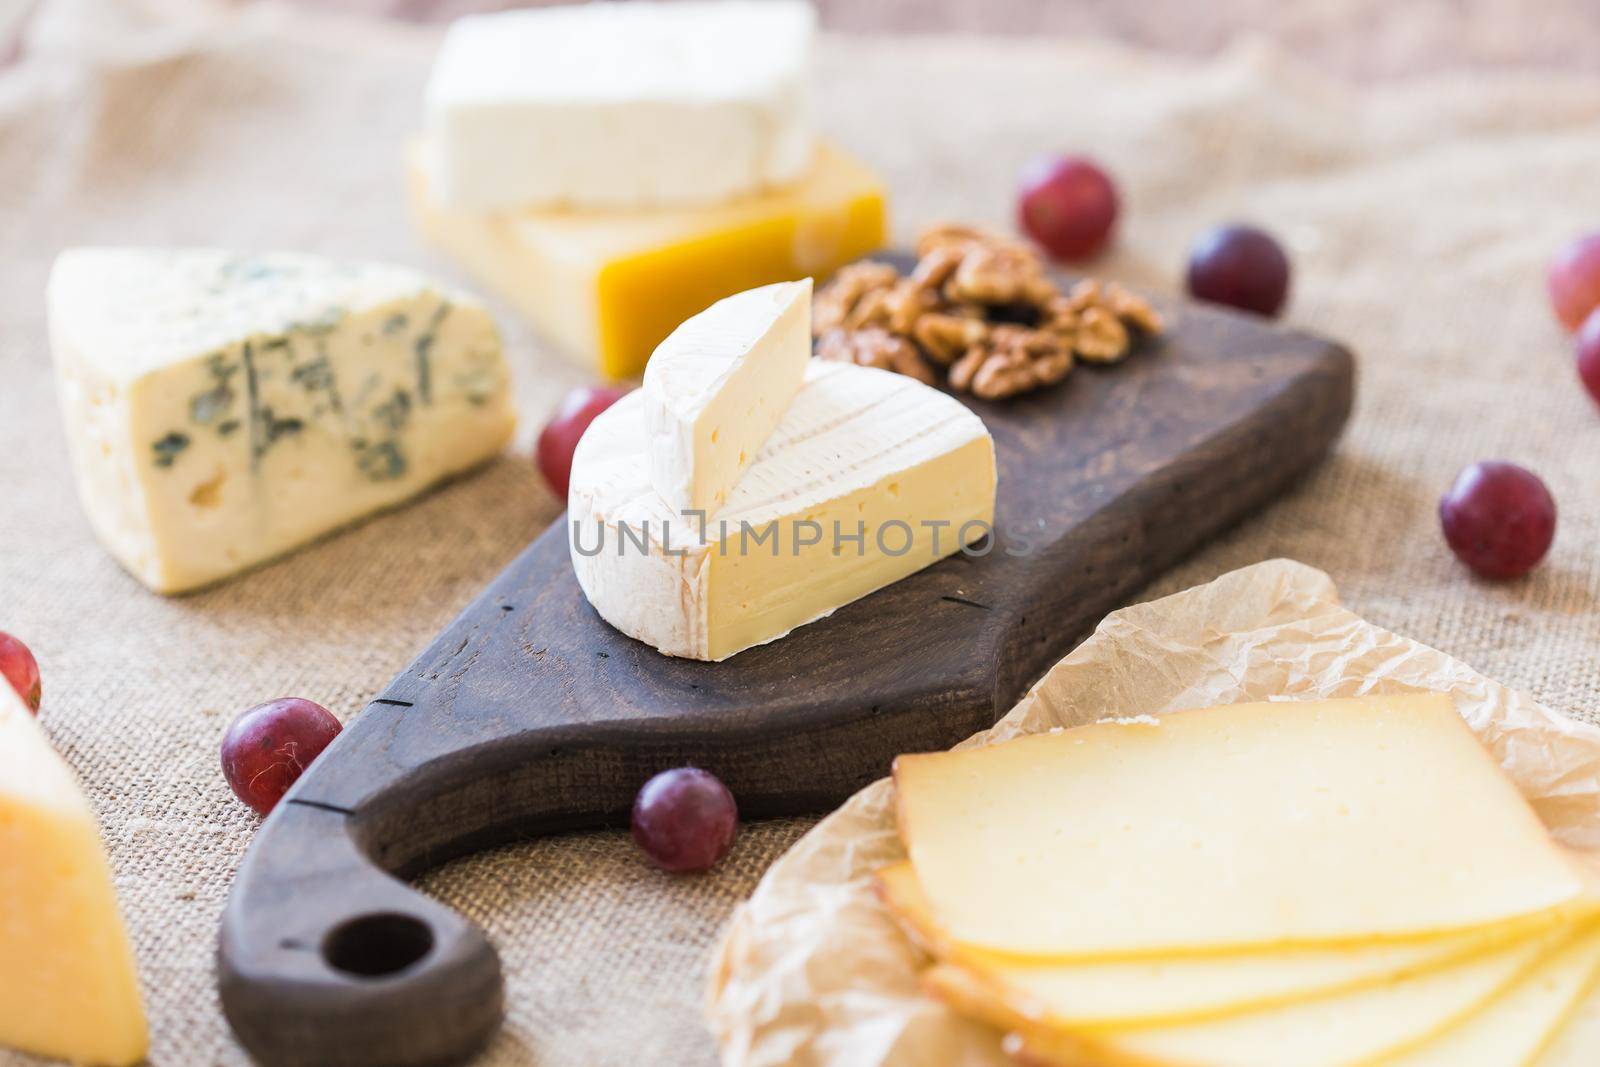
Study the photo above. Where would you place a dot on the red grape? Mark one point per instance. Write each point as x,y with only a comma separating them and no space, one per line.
18,667
1499,519
270,745
1068,205
560,435
1574,280
1589,355
685,820
1239,266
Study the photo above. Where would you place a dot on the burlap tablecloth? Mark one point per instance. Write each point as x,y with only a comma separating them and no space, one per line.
1420,216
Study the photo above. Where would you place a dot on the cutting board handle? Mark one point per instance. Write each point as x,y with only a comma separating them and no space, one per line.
340,963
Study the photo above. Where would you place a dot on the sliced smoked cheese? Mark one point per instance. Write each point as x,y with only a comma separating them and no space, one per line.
67,983
1513,1029
1141,992
1353,1029
1250,825
1576,1043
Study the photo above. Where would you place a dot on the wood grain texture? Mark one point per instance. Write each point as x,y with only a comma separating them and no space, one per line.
529,715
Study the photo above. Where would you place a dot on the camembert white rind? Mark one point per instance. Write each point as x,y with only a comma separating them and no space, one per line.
860,451
637,105
67,983
224,409
718,386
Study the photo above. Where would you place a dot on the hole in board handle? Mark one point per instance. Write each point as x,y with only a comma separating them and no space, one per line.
377,946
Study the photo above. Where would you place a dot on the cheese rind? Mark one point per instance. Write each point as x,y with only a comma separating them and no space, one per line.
621,105
1173,832
1513,1029
718,386
67,984
608,286
224,409
1356,1029
1145,992
870,477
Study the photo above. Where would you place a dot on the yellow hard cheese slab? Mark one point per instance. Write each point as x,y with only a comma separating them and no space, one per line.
1250,825
608,286
1101,994
67,984
1355,1029
1515,1027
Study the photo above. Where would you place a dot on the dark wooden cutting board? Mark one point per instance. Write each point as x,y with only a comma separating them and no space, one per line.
529,715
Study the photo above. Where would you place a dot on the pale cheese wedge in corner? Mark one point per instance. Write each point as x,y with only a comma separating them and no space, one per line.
67,983
1511,1031
1355,1029
1098,994
1305,823
718,386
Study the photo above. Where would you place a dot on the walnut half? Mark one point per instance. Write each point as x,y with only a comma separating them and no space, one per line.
875,347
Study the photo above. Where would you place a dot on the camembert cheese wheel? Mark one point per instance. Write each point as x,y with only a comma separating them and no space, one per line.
870,477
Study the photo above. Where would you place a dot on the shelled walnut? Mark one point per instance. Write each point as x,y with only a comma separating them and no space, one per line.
981,307
875,347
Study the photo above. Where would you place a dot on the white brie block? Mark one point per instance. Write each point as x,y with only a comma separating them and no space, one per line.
621,105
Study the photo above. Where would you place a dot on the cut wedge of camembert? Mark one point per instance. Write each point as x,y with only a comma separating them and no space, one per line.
718,386
870,477
223,409
67,983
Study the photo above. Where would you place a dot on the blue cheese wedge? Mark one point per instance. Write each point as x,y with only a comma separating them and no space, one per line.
224,409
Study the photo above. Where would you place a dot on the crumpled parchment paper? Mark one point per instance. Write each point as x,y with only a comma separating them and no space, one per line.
813,971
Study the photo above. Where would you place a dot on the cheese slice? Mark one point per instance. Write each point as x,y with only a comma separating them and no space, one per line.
1143,992
718,386
224,409
622,105
608,286
1353,1029
870,476
1250,825
67,983
1576,1042
1515,1027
